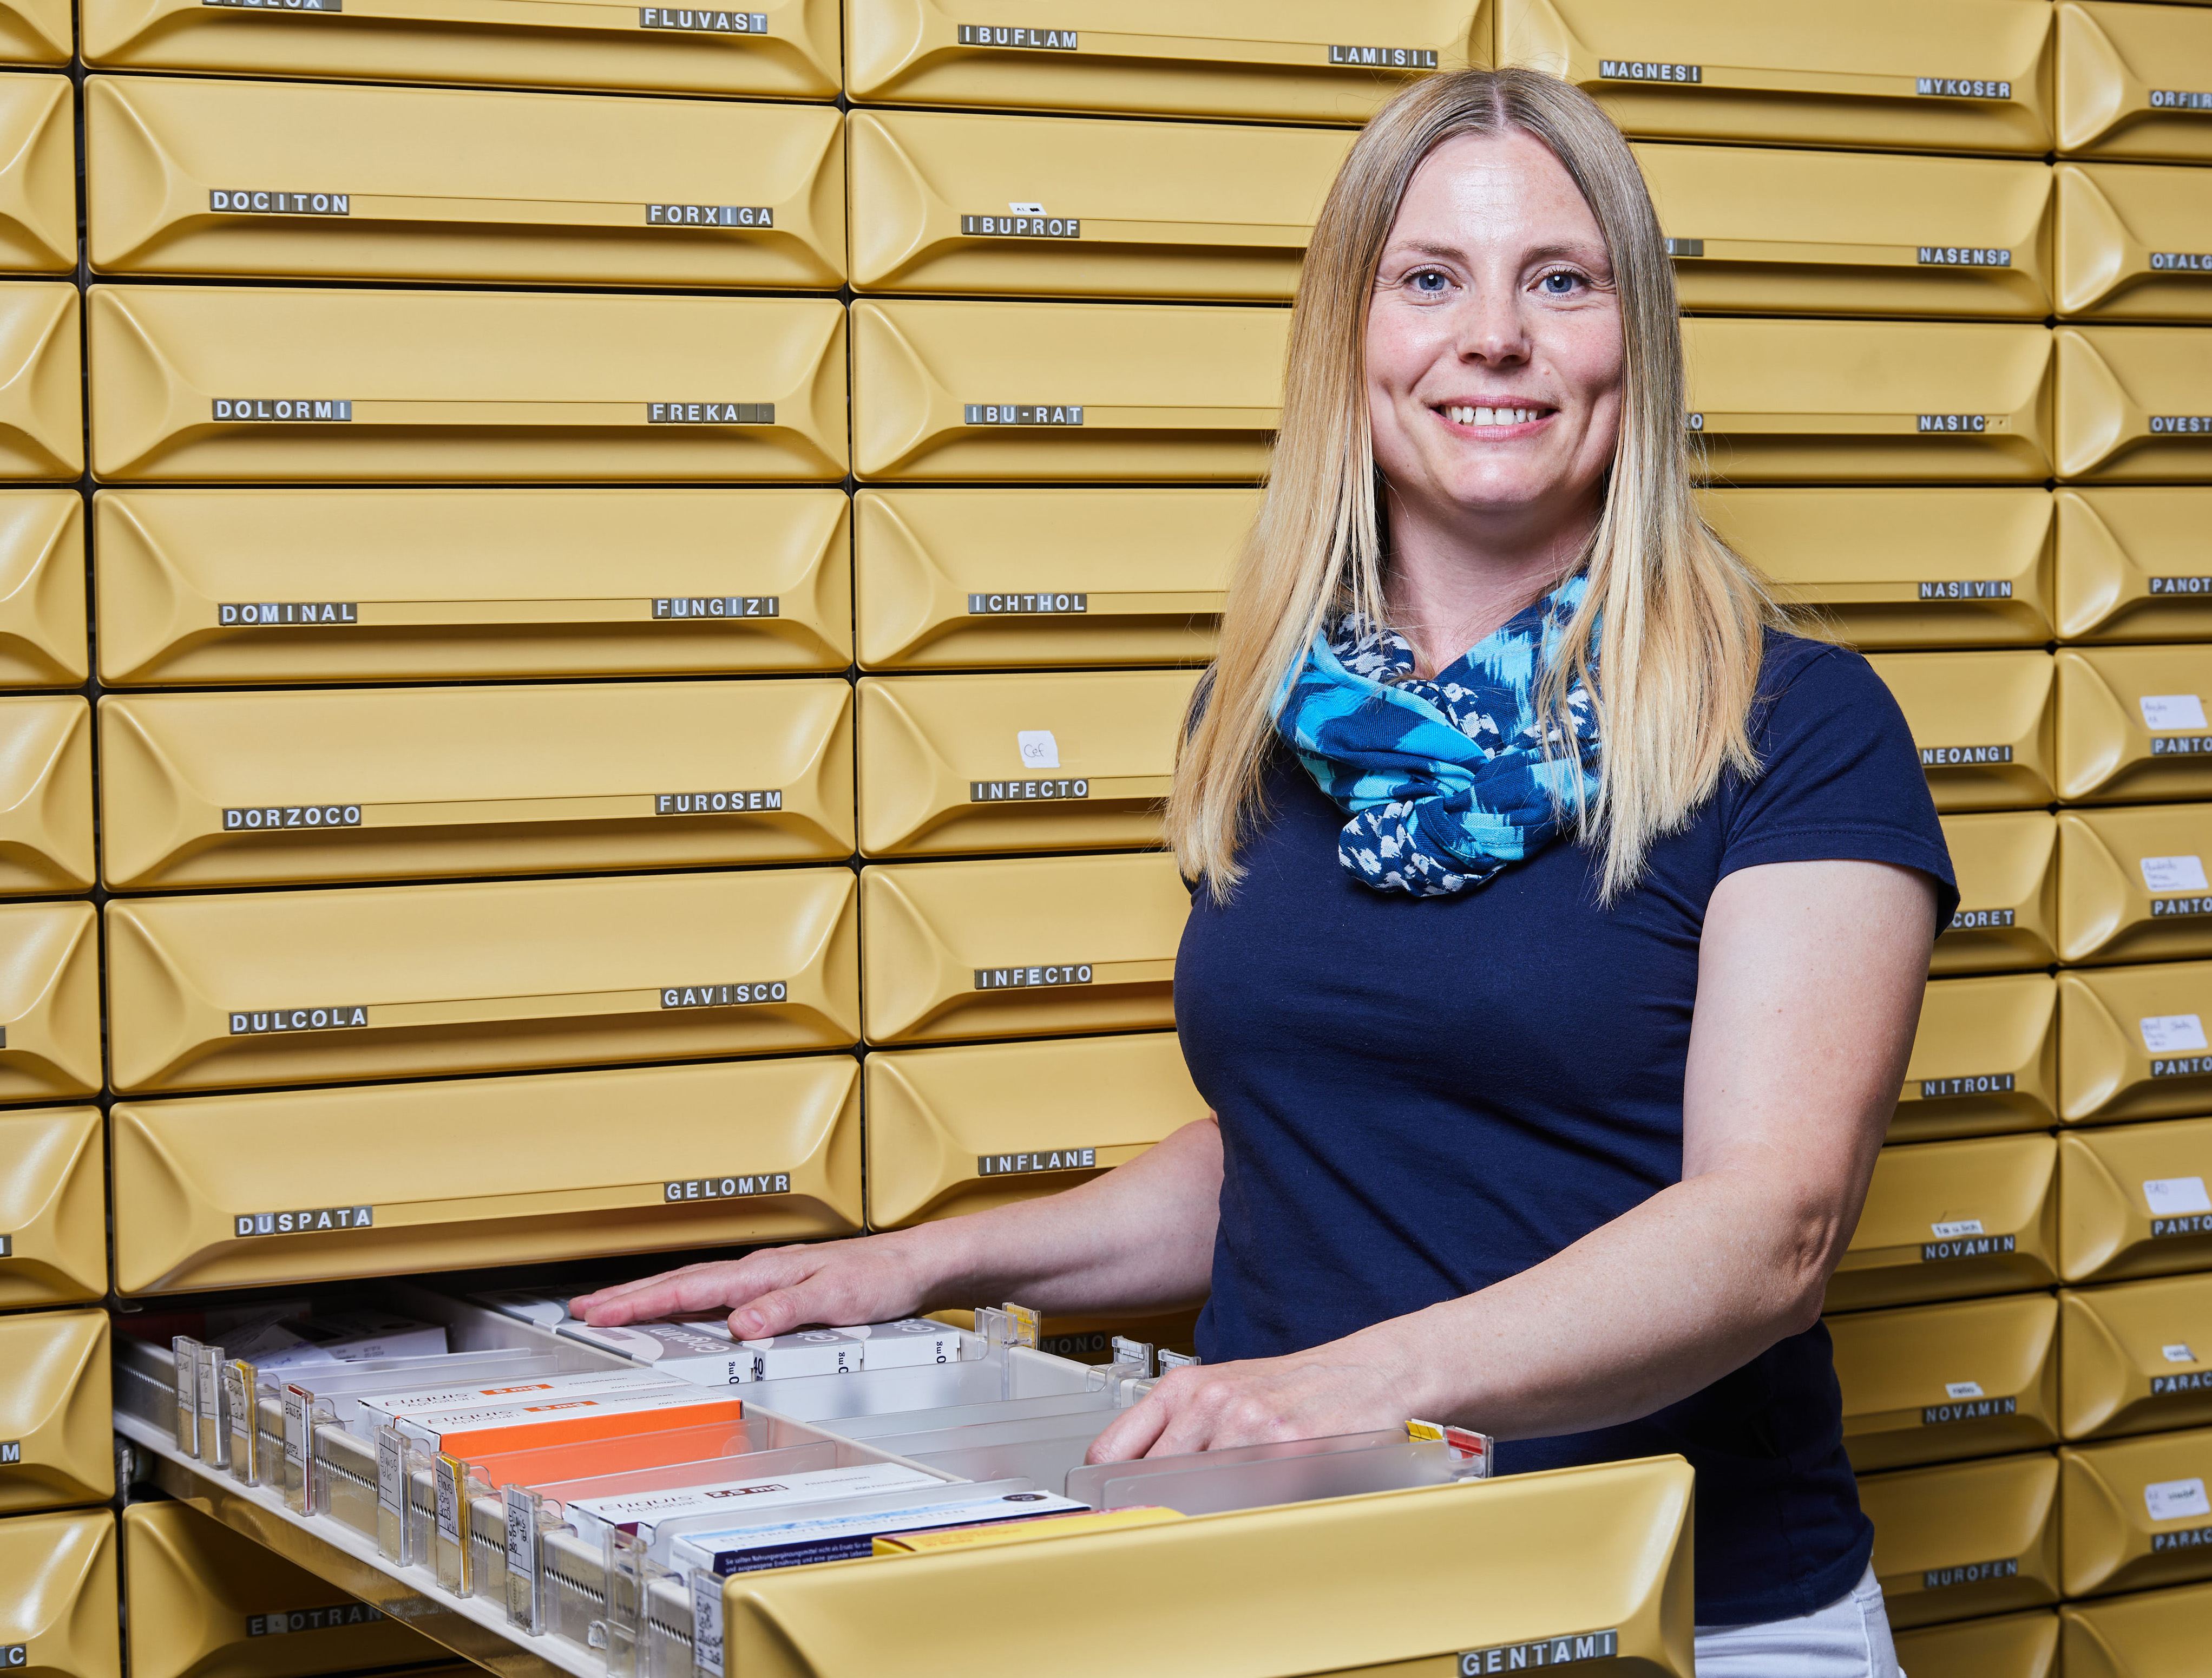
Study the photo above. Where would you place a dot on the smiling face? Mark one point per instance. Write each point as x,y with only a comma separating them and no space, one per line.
1494,349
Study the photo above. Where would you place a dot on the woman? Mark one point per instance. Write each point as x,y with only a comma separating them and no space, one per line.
1552,996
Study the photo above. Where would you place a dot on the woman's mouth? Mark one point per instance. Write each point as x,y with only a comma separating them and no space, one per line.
1479,415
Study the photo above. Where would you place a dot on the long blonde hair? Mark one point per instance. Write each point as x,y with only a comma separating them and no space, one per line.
1679,618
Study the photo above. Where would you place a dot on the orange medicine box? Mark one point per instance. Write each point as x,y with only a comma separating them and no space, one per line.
565,1421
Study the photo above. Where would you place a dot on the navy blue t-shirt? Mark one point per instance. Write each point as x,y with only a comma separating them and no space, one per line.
1419,1096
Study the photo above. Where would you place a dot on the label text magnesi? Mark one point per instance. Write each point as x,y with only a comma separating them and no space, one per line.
281,410
252,202
310,1620
985,35
1645,70
1008,792
708,216
1011,413
252,1024
722,996
1980,1246
274,614
2181,585
1047,1160
727,1189
309,1222
1934,757
1965,256
706,22
1974,1572
1545,1651
2183,1066
260,817
1986,1084
717,804
2166,99
719,605
1384,58
2197,1223
1022,227
280,5
11,1452
1976,920
710,413
1980,1409
2189,262
2162,907
1955,422
1025,605
2176,425
1020,978
1953,86
1965,589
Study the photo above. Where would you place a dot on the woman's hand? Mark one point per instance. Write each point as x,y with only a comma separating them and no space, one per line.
874,1279
1316,1395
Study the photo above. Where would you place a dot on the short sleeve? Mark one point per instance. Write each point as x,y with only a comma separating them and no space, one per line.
1841,779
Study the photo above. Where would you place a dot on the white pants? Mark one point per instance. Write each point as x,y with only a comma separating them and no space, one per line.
1849,1638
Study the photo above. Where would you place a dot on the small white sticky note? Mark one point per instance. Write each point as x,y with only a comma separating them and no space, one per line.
1956,1227
2176,1197
1038,210
1041,751
2172,712
1962,1389
2173,1034
2176,1499
2174,873
2179,1353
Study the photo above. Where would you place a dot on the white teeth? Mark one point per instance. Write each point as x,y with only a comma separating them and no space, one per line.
1461,415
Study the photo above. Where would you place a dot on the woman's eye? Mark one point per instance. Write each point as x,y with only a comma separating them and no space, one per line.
1429,283
1561,283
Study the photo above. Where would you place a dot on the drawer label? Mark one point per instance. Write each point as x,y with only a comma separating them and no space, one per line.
333,1018
2181,1065
1050,1159
11,1451
2198,1381
2175,425
2189,1538
1980,1409
1011,792
2197,1223
249,202
1017,978
309,1222
281,410
1976,920
281,614
710,413
1980,1246
1026,605
1974,1572
291,815
280,5
1960,87
2188,262
2181,585
1686,247
1048,41
710,215
1009,413
1965,256
1384,58
2180,746
1979,1084
718,605
716,803
18,1654
727,1189
1543,1652
1647,69
310,1620
2162,907
1021,226
7,1246
1947,756
712,23
2168,99
1955,422
723,996
1964,588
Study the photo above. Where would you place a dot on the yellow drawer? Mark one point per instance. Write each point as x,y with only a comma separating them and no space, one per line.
2008,913
326,987
437,184
2130,565
1900,75
2132,724
212,586
1984,723
1984,1060
2133,1201
49,1001
2009,1645
2135,1358
2159,1634
959,1130
41,381
1046,762
1758,231
949,579
241,383
42,639
201,1601
1933,1382
2128,887
483,1172
784,49
1090,392
2135,1512
60,1605
1126,208
402,783
2132,80
55,1417
2132,244
2128,1042
53,1208
1950,1220
46,795
1967,1538
1257,59
1019,949
1884,566
35,32
1852,401
1593,1563
38,181
2131,402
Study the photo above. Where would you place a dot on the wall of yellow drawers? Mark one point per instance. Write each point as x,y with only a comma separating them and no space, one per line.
594,611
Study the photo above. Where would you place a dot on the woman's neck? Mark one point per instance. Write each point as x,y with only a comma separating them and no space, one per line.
1449,587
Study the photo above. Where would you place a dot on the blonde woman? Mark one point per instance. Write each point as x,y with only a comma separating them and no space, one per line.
1559,922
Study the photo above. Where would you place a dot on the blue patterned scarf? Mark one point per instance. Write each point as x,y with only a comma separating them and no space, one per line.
1446,781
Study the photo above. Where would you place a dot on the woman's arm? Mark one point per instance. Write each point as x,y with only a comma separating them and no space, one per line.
1809,981
1137,1237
